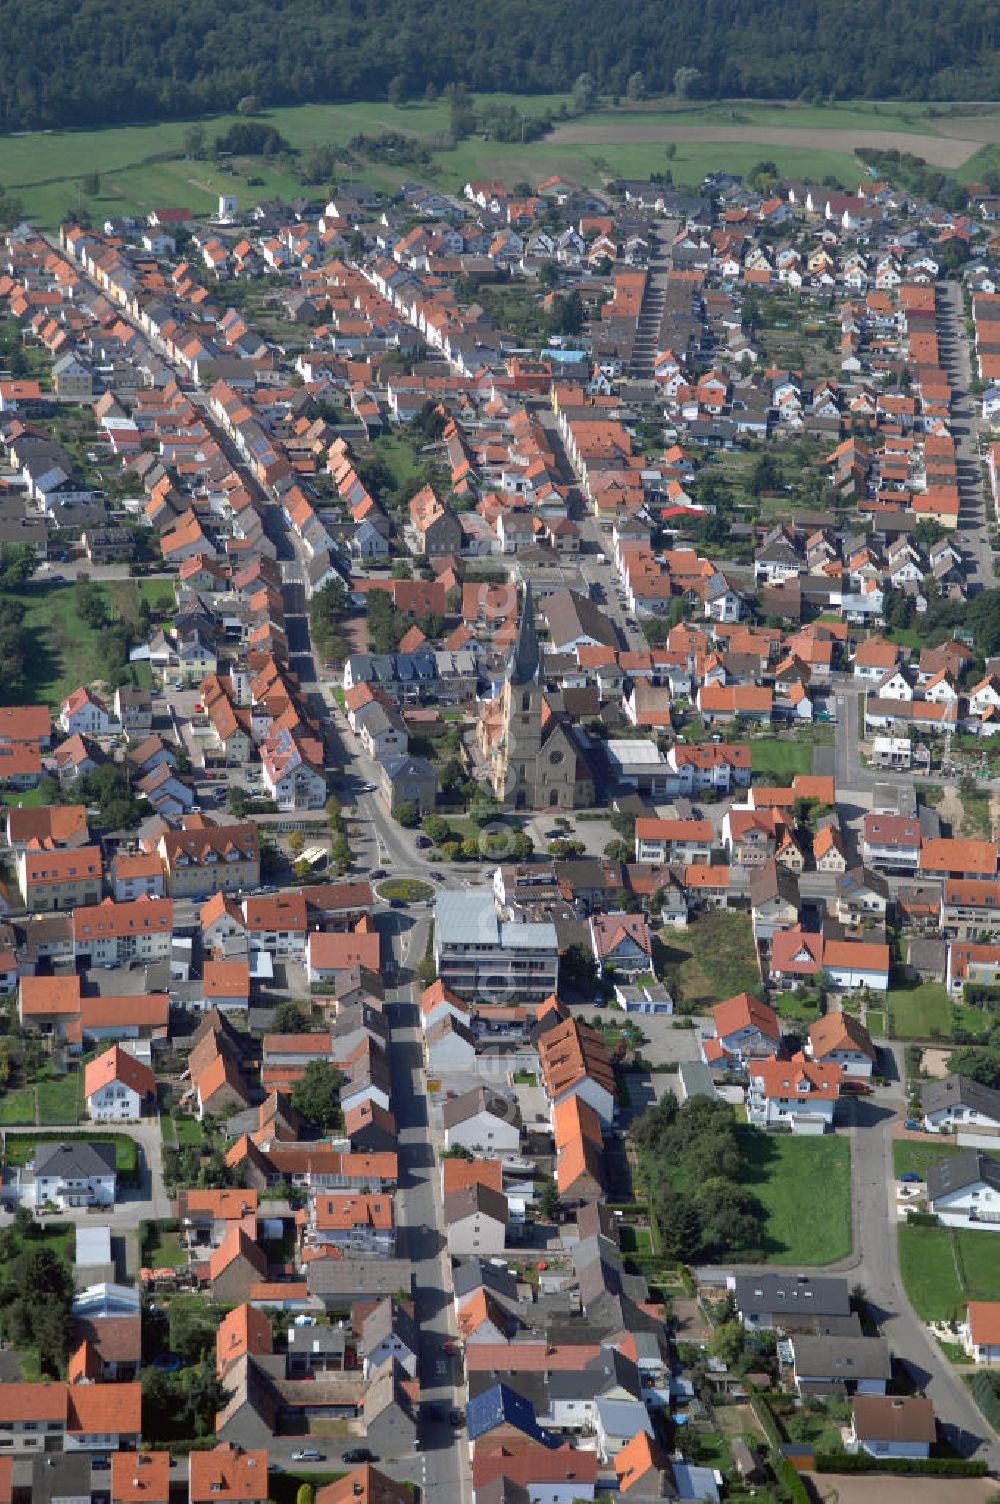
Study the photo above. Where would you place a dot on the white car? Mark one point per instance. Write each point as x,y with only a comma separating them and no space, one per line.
308,1454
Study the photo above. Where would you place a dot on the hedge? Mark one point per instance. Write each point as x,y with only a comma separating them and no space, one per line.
935,1467
765,1416
792,1483
986,1393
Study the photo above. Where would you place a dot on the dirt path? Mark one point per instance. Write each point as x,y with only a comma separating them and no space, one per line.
940,151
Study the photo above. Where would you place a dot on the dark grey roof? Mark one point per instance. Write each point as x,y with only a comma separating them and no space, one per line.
525,658
480,1099
961,1170
472,1199
960,1091
842,1358
81,1159
364,1279
785,1294
477,1274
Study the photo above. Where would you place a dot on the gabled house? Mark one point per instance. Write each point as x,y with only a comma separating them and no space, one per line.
963,1190
622,943
745,1029
956,1103
839,1038
796,1093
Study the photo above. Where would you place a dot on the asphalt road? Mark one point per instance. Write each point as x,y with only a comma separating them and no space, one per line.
444,1472
953,345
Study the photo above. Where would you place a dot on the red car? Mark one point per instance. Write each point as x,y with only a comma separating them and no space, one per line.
449,1348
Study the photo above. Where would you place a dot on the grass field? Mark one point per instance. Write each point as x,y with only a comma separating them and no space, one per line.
784,1173
926,1012
909,1155
59,1099
780,760
875,1023
943,1268
712,959
164,1250
45,169
63,651
406,889
18,1106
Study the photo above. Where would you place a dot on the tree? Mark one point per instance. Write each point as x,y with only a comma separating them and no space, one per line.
291,1018
685,80
396,91
237,801
248,105
194,142
316,1095
549,1204
584,93
636,86
408,815
90,603
578,972
17,565
306,1493
679,1225
296,842
91,184
728,1342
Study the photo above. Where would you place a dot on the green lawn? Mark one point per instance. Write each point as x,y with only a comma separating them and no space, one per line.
26,799
712,959
635,1239
164,1251
65,652
942,1269
779,761
18,1106
926,1012
784,1172
919,1012
58,1099
875,1023
909,1154
408,889
45,169
188,1130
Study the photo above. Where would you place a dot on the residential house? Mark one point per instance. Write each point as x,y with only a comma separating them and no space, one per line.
981,1331
476,1220
75,1174
839,1038
745,1029
955,1104
116,1086
482,1121
963,1190
892,1426
622,943
796,1093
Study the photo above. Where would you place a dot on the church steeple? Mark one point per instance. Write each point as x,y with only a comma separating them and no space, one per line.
525,660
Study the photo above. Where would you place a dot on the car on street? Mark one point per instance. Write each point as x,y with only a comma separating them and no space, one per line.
310,1454
910,1177
360,1454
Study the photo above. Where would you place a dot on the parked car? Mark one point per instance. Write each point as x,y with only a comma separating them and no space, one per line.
423,842
456,1418
310,1454
910,1177
914,1126
360,1454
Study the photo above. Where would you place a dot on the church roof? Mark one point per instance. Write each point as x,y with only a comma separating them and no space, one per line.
525,659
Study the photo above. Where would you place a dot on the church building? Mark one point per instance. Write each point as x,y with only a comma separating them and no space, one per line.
535,759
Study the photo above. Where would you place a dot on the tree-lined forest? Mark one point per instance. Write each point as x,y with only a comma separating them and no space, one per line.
91,62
